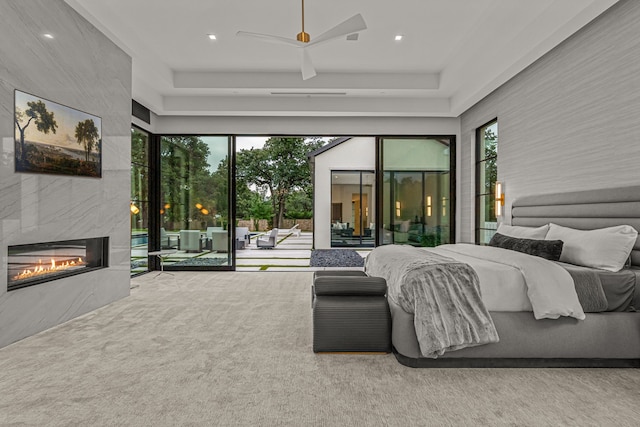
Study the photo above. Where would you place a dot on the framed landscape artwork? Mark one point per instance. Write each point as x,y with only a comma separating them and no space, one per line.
56,139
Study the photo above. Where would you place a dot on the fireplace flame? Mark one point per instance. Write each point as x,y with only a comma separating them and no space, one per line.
41,269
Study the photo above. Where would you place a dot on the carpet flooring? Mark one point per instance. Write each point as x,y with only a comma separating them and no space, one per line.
234,349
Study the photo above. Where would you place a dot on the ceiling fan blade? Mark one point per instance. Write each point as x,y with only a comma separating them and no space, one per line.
271,39
307,66
352,25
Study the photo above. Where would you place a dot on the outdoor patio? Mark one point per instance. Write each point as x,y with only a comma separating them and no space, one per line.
292,253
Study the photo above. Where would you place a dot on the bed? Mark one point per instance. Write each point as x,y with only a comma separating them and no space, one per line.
609,338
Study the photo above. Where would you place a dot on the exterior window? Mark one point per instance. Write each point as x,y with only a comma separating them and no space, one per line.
139,204
486,176
352,209
417,191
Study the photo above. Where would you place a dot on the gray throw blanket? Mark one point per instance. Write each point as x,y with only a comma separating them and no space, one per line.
443,295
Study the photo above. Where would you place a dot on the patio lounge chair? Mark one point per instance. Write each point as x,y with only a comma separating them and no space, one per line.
268,242
168,241
190,241
293,230
243,238
217,239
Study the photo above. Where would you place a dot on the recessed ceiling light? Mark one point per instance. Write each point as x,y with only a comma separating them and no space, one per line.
47,35
212,37
398,37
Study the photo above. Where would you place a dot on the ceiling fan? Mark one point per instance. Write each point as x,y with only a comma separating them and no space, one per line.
303,40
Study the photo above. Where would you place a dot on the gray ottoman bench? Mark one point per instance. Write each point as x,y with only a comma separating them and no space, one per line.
350,312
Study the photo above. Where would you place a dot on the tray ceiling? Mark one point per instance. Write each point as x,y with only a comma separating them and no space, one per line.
453,53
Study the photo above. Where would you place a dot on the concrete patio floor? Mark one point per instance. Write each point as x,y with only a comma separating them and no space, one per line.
292,253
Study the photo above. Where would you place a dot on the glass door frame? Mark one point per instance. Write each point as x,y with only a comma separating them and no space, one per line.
149,210
380,182
155,201
362,225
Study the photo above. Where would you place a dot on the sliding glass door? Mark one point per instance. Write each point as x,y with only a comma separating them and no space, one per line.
195,202
417,191
139,204
352,209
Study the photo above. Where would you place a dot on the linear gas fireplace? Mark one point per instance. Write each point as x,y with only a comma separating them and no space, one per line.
37,263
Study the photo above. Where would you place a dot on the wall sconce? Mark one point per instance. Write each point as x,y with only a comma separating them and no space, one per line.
499,198
134,209
397,209
428,205
444,206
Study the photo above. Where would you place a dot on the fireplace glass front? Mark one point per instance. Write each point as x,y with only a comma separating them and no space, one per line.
37,263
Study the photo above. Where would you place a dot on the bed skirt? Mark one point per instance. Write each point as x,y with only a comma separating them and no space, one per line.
610,339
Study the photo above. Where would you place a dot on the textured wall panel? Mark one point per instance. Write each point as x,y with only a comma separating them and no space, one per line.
570,121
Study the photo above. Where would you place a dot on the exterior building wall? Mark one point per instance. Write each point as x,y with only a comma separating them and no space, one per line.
358,153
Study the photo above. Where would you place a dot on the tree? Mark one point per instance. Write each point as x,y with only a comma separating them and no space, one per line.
139,176
491,171
187,182
38,114
281,166
490,154
300,204
87,134
259,208
219,190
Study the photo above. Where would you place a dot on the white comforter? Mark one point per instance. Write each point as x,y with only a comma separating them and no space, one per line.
513,281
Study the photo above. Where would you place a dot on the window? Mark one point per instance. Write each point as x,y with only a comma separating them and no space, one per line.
486,176
139,204
352,209
417,190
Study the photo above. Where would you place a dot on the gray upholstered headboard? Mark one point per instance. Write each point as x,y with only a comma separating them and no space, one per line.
583,210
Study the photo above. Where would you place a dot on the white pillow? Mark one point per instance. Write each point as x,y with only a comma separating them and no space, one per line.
536,233
604,248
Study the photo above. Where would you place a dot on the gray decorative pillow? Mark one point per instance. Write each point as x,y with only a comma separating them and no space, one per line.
547,249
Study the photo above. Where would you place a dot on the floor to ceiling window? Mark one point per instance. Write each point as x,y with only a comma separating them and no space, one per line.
139,204
352,209
486,176
195,201
417,190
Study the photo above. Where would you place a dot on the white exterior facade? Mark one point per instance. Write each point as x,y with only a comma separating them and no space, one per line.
355,154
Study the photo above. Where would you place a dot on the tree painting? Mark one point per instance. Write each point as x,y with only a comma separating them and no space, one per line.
53,138
87,134
38,114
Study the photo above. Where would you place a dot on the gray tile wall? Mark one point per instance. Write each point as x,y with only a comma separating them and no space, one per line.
82,69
